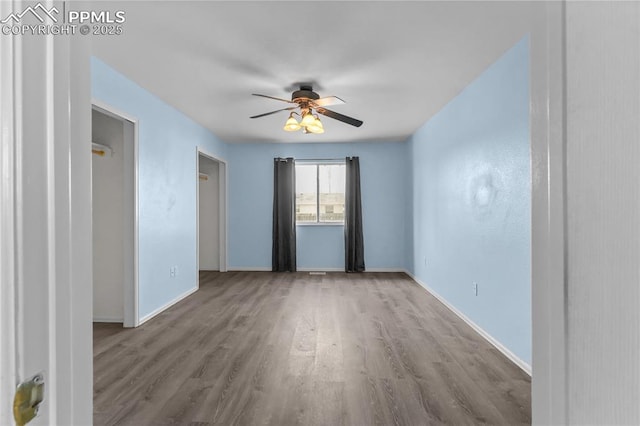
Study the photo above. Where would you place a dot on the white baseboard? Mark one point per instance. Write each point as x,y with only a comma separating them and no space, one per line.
320,269
249,268
385,270
310,269
167,305
489,338
342,270
107,319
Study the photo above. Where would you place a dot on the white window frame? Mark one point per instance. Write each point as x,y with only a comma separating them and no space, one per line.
319,163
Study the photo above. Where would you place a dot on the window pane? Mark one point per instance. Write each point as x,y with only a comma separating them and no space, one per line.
306,193
332,184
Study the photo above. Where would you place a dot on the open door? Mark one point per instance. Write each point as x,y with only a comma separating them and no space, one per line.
45,243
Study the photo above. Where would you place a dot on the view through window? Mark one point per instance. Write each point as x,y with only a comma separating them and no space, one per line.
320,193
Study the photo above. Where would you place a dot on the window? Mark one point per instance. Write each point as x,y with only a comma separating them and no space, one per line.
320,192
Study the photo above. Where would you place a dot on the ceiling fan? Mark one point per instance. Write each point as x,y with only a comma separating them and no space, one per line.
308,102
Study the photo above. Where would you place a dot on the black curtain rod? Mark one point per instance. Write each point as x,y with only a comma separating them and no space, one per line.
315,159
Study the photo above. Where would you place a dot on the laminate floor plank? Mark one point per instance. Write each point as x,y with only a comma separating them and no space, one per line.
261,348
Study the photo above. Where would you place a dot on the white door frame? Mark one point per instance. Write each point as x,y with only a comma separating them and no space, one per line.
8,288
45,221
130,250
549,304
222,209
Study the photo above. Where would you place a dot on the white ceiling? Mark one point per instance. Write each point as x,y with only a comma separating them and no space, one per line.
396,64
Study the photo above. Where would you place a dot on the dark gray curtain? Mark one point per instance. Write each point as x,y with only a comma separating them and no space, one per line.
353,239
283,249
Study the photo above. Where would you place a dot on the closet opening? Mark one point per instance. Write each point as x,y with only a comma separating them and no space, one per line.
211,213
114,201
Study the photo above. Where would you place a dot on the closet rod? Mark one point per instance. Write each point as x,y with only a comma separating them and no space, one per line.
101,150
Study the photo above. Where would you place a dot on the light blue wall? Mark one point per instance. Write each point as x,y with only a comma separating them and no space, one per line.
471,188
166,185
382,167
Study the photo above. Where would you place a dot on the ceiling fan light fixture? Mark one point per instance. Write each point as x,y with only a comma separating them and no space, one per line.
316,126
292,124
307,119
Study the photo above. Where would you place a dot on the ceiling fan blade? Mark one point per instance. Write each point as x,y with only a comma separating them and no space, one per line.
271,97
273,112
339,117
328,101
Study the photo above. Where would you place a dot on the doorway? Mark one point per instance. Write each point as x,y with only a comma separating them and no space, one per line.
113,140
211,213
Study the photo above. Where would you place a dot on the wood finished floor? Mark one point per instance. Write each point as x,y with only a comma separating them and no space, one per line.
261,348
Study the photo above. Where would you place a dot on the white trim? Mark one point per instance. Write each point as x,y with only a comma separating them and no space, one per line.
385,270
113,111
249,268
54,216
107,319
54,234
211,156
305,269
198,218
223,190
167,305
8,140
80,407
549,282
312,269
131,306
18,188
488,337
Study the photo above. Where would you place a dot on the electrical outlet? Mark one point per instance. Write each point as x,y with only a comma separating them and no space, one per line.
475,288
171,272
175,271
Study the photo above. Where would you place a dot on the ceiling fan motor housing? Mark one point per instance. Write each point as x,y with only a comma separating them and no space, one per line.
305,92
